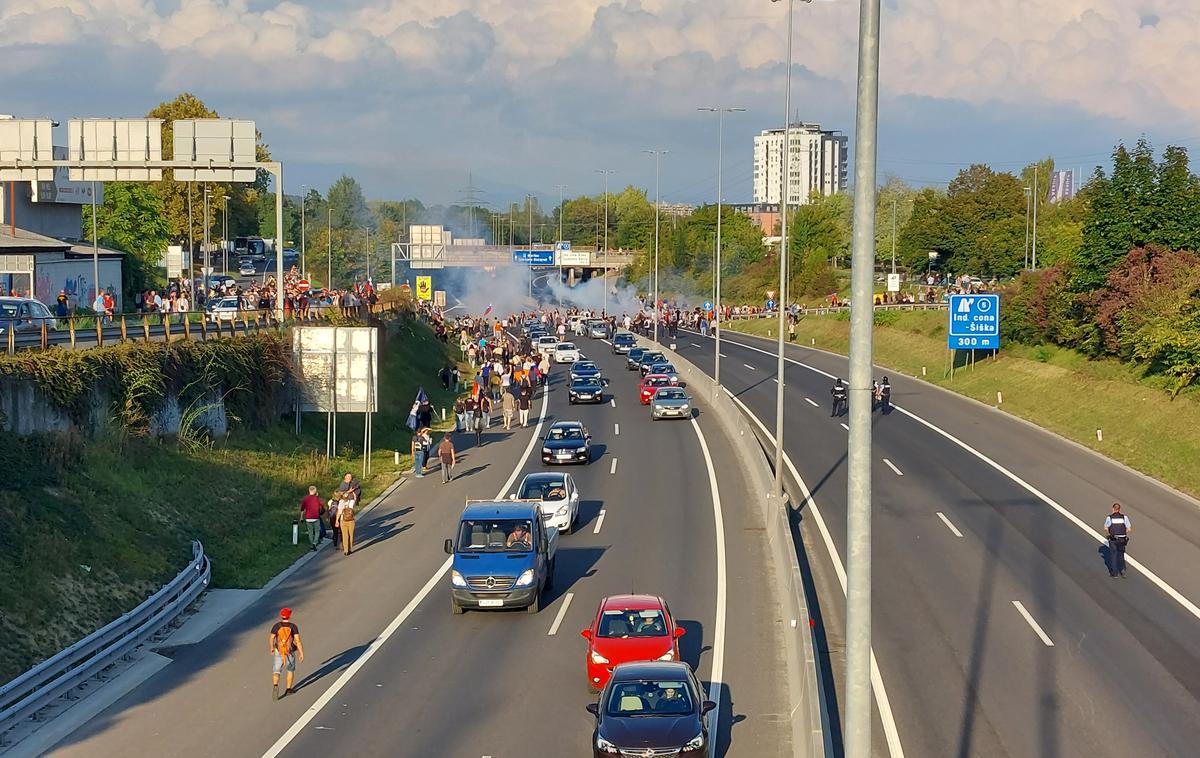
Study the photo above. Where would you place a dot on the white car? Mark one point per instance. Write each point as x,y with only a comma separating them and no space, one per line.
566,352
547,345
558,495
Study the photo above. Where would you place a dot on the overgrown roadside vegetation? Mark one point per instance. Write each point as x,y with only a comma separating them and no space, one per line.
92,526
1144,426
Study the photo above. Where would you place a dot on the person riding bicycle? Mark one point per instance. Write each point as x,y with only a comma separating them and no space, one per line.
840,397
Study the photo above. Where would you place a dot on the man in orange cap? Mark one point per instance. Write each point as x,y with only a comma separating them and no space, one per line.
285,644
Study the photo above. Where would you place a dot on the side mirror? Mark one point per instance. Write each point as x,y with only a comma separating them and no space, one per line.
449,547
707,706
586,634
594,709
679,632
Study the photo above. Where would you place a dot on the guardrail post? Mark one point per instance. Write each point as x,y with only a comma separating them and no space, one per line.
71,329
124,329
146,327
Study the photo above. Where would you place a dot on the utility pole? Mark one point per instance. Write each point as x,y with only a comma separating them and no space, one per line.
720,111
604,278
858,459
658,154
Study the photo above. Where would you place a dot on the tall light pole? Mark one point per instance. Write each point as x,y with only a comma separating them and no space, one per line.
604,278
658,154
858,459
720,111
303,240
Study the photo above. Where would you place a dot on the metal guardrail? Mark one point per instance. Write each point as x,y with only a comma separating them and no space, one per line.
25,696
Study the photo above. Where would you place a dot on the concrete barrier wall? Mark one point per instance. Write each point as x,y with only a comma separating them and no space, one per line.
808,737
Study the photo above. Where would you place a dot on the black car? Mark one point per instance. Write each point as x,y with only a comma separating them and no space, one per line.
567,442
633,359
585,389
651,708
623,342
648,359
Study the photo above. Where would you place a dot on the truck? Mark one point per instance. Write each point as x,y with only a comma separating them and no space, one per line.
502,556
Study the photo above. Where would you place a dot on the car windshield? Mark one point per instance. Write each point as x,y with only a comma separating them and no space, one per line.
632,623
544,489
650,698
670,394
565,433
495,536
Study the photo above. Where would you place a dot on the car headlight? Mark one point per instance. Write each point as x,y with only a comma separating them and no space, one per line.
561,511
457,579
598,659
695,743
605,746
667,656
525,579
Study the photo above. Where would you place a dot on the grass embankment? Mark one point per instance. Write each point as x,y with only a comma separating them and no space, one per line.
1057,389
92,527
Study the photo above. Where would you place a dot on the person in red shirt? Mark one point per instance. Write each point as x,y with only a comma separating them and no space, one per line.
310,511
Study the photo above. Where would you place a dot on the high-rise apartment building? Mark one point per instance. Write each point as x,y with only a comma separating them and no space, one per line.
818,164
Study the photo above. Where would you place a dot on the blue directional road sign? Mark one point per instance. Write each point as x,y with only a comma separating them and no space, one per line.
974,322
707,305
534,257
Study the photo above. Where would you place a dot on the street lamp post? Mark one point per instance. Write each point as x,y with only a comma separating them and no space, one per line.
658,154
604,278
720,111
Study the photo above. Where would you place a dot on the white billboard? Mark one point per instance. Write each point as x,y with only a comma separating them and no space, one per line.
338,368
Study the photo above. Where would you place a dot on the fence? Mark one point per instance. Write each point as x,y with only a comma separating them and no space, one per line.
56,677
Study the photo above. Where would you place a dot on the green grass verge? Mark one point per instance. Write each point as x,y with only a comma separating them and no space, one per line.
92,527
1057,389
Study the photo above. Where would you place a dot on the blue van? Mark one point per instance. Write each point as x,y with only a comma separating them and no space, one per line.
503,556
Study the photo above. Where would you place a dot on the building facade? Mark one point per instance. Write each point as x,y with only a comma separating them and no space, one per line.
818,164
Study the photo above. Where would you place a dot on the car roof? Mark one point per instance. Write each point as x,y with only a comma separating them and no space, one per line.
500,509
635,670
632,603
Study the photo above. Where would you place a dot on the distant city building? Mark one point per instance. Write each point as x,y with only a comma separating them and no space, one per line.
763,215
1062,186
818,164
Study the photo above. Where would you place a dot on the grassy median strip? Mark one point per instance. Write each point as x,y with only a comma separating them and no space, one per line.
92,526
1057,389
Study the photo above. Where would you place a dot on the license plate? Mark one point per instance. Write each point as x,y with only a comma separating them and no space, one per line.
491,603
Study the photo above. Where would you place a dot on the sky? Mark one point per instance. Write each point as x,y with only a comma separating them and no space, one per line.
419,98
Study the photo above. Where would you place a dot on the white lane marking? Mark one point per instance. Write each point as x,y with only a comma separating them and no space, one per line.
949,526
561,612
810,401
329,694
1171,592
613,402
845,427
747,365
892,466
616,429
718,646
1045,637
599,521
895,749
613,469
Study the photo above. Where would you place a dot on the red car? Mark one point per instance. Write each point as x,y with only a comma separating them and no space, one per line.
649,384
629,628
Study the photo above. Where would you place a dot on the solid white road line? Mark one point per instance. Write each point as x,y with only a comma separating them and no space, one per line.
1173,593
747,365
895,749
811,402
616,429
561,612
949,526
613,469
599,522
892,466
329,694
718,643
1045,637
845,427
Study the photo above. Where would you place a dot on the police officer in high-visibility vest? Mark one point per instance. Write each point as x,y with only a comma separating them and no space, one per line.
1117,529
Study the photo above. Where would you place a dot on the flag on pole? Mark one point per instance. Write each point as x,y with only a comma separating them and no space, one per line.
412,415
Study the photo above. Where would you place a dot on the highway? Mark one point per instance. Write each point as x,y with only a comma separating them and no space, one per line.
997,629
389,670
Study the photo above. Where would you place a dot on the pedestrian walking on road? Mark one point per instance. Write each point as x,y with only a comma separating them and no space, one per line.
310,511
1117,529
285,647
448,457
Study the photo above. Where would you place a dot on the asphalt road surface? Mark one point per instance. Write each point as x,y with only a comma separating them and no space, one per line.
487,684
997,629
